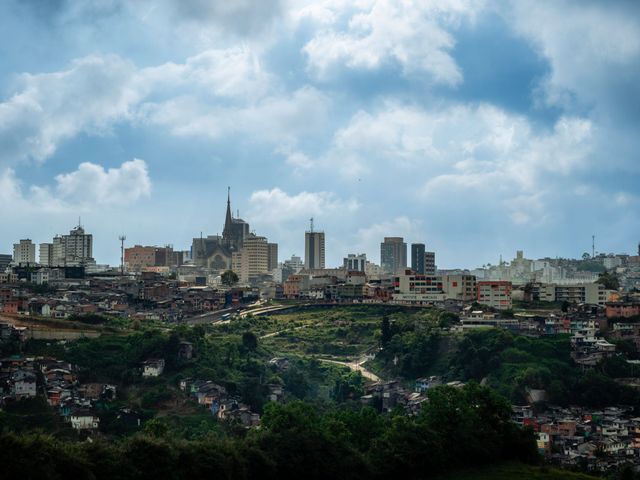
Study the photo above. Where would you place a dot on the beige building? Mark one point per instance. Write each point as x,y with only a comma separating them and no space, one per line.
590,293
252,259
460,287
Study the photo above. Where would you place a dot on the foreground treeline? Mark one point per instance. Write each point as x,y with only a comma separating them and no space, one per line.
458,428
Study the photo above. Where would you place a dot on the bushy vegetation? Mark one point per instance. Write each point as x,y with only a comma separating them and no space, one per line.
459,427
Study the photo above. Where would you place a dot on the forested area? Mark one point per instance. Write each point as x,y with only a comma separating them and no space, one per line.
459,427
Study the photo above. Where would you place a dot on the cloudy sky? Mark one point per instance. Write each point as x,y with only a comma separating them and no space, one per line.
476,127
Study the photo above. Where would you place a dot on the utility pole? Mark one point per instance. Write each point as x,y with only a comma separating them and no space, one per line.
593,246
122,238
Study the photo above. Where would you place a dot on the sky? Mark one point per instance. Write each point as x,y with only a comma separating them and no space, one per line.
476,127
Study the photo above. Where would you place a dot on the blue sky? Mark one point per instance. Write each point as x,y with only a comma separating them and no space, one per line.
476,127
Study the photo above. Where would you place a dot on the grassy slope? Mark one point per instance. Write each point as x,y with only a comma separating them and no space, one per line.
512,471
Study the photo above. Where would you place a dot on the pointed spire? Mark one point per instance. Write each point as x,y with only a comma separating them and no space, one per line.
226,232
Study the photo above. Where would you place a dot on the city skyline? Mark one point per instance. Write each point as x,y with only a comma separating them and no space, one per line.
487,128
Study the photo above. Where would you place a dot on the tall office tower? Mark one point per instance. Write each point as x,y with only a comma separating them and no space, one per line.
393,254
252,259
313,249
355,263
24,252
417,258
77,247
273,256
430,263
46,254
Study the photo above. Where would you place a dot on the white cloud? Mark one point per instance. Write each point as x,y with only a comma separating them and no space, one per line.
279,119
269,207
90,186
52,107
461,151
585,43
367,35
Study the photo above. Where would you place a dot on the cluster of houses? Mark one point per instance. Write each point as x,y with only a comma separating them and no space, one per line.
214,397
147,297
57,381
388,395
598,440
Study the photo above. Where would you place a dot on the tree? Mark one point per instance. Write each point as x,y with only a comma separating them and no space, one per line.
249,341
229,278
609,280
385,331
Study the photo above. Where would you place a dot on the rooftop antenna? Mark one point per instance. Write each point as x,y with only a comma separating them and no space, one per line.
122,238
311,226
593,246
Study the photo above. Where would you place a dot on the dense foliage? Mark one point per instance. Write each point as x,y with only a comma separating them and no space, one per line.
459,427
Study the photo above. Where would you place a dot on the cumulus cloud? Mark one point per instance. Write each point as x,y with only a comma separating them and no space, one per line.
593,49
211,94
368,35
460,151
51,107
279,119
276,206
88,187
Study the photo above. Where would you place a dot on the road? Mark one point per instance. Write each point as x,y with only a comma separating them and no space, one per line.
356,366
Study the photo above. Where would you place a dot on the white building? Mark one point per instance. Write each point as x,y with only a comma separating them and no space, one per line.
83,420
24,252
252,259
153,367
355,263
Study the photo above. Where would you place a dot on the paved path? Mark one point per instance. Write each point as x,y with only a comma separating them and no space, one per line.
356,366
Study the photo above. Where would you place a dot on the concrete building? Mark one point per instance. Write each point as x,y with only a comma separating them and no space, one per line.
413,288
313,249
459,287
72,250
24,252
355,263
272,260
590,293
495,294
418,258
138,257
430,263
5,260
46,254
393,254
252,259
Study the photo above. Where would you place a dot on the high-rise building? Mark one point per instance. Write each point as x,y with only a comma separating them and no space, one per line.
252,259
430,263
24,252
417,258
393,254
46,254
272,259
77,247
313,249
355,263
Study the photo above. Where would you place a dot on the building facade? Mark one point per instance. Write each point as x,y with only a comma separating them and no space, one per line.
418,258
355,263
430,263
495,294
313,250
393,254
272,262
24,252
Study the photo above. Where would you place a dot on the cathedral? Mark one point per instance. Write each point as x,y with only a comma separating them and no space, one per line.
215,251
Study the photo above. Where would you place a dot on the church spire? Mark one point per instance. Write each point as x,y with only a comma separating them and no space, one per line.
226,232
